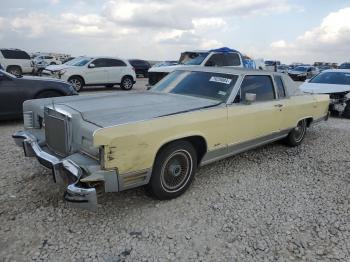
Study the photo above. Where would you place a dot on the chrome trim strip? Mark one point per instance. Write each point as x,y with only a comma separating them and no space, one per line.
122,177
237,148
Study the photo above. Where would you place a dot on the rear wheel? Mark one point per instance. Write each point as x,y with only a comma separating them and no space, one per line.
173,170
77,82
127,83
49,93
15,70
296,136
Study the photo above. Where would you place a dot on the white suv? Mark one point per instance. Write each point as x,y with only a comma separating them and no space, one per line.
15,61
85,71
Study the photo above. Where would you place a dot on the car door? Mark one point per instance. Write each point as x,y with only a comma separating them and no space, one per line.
11,97
115,70
97,72
256,121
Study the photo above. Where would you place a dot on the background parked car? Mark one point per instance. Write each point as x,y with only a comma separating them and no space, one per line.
49,60
16,61
282,69
336,83
85,71
166,63
14,90
301,73
220,57
344,66
141,66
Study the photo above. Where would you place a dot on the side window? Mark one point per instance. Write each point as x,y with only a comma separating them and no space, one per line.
280,87
115,62
100,62
232,59
261,85
215,60
15,54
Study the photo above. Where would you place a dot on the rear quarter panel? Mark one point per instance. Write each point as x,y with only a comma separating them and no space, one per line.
304,106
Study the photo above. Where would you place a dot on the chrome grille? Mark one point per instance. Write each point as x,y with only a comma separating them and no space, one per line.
56,131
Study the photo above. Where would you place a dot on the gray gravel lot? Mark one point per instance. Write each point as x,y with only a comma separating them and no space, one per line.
274,203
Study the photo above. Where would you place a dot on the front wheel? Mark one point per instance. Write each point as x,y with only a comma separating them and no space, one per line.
297,135
77,83
127,83
173,170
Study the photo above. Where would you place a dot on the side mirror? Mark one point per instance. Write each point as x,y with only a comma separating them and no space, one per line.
250,98
91,65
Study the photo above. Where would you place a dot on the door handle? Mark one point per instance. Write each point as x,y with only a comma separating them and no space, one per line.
278,105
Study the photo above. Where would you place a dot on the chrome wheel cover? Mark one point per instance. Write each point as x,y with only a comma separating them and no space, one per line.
299,131
176,171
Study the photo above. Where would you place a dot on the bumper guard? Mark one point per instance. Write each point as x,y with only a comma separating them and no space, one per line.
63,171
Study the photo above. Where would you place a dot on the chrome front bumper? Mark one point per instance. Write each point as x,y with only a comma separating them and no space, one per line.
64,172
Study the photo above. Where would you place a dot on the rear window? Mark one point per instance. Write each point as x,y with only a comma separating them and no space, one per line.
115,62
229,59
280,87
15,54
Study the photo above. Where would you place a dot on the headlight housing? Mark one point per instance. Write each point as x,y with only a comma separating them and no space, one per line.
102,156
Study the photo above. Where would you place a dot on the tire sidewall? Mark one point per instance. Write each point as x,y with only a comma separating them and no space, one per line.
291,140
122,84
80,80
155,184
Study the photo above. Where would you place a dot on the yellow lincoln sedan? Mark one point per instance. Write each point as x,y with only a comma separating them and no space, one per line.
158,138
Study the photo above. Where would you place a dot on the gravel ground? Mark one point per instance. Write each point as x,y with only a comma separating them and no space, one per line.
274,203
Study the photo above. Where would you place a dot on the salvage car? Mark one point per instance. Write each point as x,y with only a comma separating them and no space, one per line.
87,71
221,57
301,73
336,83
14,90
160,137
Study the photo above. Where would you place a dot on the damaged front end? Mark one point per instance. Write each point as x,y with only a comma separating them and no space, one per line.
70,155
339,103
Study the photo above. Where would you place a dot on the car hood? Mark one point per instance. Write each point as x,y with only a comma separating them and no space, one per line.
109,109
53,68
324,88
40,78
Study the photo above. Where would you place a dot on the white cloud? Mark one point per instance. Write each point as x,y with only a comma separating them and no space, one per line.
332,36
2,22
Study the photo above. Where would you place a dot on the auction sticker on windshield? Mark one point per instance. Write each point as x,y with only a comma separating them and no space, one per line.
219,79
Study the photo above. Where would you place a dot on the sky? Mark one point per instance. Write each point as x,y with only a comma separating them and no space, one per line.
286,30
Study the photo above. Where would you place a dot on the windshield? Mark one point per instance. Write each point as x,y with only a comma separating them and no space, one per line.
192,58
214,86
336,78
79,61
300,69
